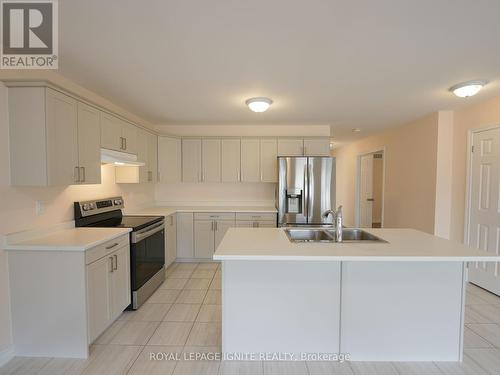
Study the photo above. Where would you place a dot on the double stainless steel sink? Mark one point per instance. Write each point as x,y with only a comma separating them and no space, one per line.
328,235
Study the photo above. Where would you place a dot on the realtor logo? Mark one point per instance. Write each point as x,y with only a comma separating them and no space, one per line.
29,34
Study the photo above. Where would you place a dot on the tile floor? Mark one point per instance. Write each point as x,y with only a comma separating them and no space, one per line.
184,315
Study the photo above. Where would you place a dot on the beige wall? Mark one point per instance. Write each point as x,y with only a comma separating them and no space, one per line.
476,116
17,208
410,180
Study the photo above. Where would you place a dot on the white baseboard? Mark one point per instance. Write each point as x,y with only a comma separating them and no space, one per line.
6,355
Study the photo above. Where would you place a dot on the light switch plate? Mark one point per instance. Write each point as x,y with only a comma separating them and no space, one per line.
39,207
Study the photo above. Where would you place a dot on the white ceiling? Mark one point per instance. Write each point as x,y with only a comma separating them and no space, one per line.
367,64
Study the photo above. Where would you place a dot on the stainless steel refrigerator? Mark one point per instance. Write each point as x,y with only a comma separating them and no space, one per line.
306,189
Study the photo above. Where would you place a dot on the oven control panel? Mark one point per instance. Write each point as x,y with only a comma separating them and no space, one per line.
88,208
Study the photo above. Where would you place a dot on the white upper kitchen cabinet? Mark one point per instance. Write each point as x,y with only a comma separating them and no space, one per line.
290,147
191,160
111,132
117,134
250,160
317,147
152,165
231,160
142,155
169,160
211,160
269,160
43,137
89,156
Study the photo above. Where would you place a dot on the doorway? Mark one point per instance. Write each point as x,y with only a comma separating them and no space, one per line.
370,190
483,205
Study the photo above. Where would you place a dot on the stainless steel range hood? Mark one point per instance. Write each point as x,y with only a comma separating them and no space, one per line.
120,159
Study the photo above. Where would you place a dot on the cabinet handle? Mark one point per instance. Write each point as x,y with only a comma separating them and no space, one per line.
111,258
116,262
111,246
212,227
77,174
83,174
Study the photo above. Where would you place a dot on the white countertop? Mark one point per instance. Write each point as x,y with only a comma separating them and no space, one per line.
403,245
70,239
169,210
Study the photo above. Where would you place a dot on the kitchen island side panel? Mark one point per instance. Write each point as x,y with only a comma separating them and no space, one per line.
402,311
280,306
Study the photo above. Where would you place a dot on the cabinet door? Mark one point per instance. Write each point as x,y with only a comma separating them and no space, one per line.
250,160
169,160
204,239
111,132
62,139
171,240
152,158
142,154
98,296
231,160
120,281
129,133
211,160
89,144
290,147
317,147
221,227
185,235
191,160
269,160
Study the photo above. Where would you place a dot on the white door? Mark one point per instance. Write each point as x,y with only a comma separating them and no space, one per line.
62,139
169,160
142,154
211,160
152,158
250,160
317,147
231,160
185,235
484,221
171,240
290,147
89,144
221,227
191,160
99,296
366,191
269,160
204,239
120,281
111,132
129,134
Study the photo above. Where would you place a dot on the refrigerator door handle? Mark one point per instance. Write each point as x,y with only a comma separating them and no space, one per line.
305,199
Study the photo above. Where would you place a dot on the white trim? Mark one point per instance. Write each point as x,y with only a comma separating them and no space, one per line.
6,355
468,184
357,206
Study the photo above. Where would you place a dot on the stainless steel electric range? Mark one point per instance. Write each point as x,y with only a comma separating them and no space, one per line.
147,242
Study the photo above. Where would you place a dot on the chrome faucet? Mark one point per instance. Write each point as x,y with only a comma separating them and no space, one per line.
337,217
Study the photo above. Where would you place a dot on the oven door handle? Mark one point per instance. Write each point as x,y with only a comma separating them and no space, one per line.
139,236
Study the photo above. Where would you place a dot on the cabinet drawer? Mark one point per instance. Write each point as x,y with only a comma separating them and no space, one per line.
214,216
255,216
104,249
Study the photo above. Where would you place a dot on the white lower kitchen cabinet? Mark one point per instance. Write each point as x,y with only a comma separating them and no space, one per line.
185,248
62,300
209,229
170,239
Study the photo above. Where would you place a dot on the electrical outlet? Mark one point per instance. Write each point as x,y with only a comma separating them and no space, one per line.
39,207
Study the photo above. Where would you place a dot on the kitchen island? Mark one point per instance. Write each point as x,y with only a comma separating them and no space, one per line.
400,300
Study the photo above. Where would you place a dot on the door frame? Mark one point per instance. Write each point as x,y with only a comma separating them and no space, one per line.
357,210
468,184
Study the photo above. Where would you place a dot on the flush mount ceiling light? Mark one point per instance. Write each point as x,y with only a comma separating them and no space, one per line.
259,104
356,130
466,89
